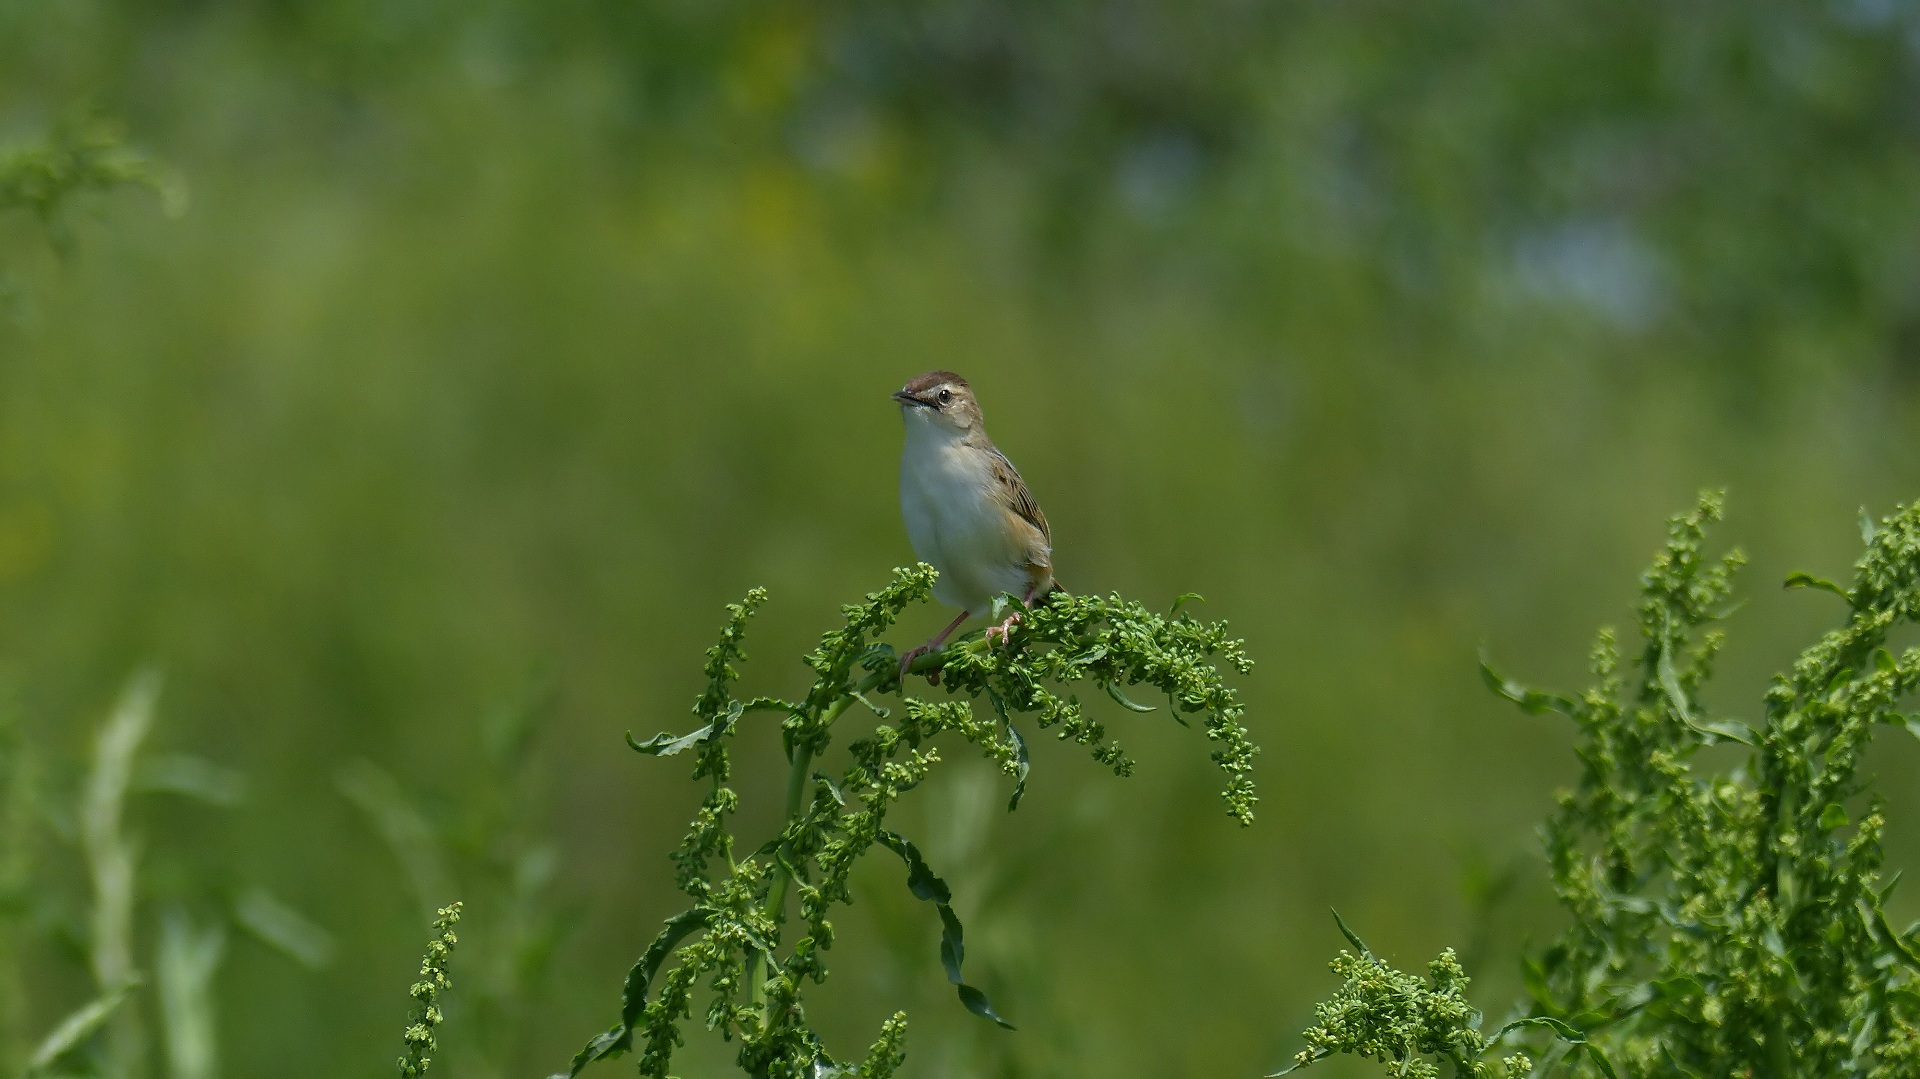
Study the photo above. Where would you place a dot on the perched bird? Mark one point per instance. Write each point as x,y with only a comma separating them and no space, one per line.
967,511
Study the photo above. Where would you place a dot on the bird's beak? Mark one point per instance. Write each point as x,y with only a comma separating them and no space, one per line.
906,398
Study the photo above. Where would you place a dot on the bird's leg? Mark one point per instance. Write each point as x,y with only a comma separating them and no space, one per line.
940,638
1006,627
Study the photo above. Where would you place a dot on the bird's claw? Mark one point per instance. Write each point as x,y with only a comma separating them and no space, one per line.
911,654
1004,630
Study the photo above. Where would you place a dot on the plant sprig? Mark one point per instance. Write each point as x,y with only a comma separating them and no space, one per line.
419,1036
733,940
1722,924
1409,1025
83,153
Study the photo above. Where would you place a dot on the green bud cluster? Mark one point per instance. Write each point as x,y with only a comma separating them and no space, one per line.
1722,924
426,995
1395,1018
734,940
1412,1026
1116,644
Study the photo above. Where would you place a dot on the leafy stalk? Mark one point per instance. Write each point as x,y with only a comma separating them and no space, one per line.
734,938
426,1015
111,861
1722,924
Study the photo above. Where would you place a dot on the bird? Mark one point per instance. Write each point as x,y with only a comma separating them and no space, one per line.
968,512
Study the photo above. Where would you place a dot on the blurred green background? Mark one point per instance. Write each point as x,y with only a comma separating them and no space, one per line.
501,344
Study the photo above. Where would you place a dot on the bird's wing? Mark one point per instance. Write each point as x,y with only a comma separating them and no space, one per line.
1012,492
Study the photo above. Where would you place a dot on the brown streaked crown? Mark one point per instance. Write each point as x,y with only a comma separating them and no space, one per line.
931,379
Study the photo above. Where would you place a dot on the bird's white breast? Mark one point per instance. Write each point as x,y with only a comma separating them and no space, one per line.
954,518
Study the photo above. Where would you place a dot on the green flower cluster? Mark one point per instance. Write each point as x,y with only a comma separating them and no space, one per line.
1409,1025
426,994
733,938
1114,644
1386,1015
1722,924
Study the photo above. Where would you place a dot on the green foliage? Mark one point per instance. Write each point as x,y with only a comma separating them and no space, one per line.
421,1043
187,959
75,1030
1395,1018
756,980
107,1035
87,154
1722,923
1386,1015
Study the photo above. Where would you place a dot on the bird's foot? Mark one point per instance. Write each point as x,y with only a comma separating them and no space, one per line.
911,654
933,676
1004,630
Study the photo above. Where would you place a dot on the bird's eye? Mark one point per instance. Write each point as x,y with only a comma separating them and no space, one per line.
945,396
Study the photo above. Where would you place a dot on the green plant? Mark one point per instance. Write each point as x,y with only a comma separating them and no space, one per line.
426,1014
1384,1014
494,851
1722,924
107,1036
84,153
732,936
112,860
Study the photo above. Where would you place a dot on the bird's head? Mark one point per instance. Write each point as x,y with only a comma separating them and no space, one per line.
942,399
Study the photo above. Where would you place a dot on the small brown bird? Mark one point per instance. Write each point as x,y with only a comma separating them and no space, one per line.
967,511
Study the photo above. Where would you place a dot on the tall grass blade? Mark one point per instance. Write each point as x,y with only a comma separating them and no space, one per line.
188,956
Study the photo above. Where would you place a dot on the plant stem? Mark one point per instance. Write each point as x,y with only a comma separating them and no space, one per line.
797,777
